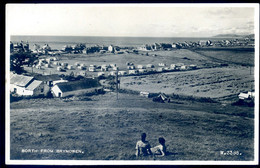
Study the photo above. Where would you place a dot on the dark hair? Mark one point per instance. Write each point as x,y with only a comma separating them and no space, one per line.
161,140
143,136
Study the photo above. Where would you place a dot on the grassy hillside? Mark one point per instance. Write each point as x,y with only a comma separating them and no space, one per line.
213,82
232,56
107,129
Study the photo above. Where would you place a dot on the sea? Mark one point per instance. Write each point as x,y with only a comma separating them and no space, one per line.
57,42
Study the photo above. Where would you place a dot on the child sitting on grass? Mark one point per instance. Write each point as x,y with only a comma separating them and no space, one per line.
159,150
143,147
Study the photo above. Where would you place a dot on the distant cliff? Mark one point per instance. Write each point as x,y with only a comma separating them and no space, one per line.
235,36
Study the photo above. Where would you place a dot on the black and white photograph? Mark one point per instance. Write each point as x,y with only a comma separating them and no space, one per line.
132,84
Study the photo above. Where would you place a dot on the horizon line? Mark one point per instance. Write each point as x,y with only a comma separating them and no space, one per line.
142,36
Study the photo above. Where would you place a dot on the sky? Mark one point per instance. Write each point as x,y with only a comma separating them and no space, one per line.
133,20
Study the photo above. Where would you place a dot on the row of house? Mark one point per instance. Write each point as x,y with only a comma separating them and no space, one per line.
46,62
155,46
82,48
200,43
162,66
143,70
41,85
178,45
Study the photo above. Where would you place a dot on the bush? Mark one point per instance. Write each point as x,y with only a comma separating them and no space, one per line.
193,98
14,98
49,95
241,102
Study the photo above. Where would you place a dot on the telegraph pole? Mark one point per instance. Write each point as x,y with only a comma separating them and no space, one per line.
116,84
119,82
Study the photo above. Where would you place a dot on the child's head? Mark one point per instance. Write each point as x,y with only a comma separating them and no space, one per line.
143,136
161,140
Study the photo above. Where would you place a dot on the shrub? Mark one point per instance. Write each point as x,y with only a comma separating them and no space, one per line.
241,102
193,98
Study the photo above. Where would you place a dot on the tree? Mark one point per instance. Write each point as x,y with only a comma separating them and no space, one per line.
80,47
17,60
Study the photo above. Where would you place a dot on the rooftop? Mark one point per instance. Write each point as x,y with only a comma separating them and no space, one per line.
33,85
78,85
20,80
52,77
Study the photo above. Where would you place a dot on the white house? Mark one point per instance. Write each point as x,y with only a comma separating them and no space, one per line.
70,66
101,74
183,67
59,68
36,88
167,68
115,68
112,73
160,69
26,86
132,71
142,70
111,48
174,45
131,67
162,64
81,67
47,65
55,63
38,66
246,95
150,66
140,67
179,64
76,87
112,65
83,73
64,64
173,66
92,69
145,94
55,58
122,73
192,66
18,83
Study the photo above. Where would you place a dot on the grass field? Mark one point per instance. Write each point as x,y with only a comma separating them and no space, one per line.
107,129
242,57
213,82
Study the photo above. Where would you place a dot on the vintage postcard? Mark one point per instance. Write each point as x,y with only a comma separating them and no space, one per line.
132,84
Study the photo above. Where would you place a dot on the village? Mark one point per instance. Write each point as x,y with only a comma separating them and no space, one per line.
68,72
126,84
